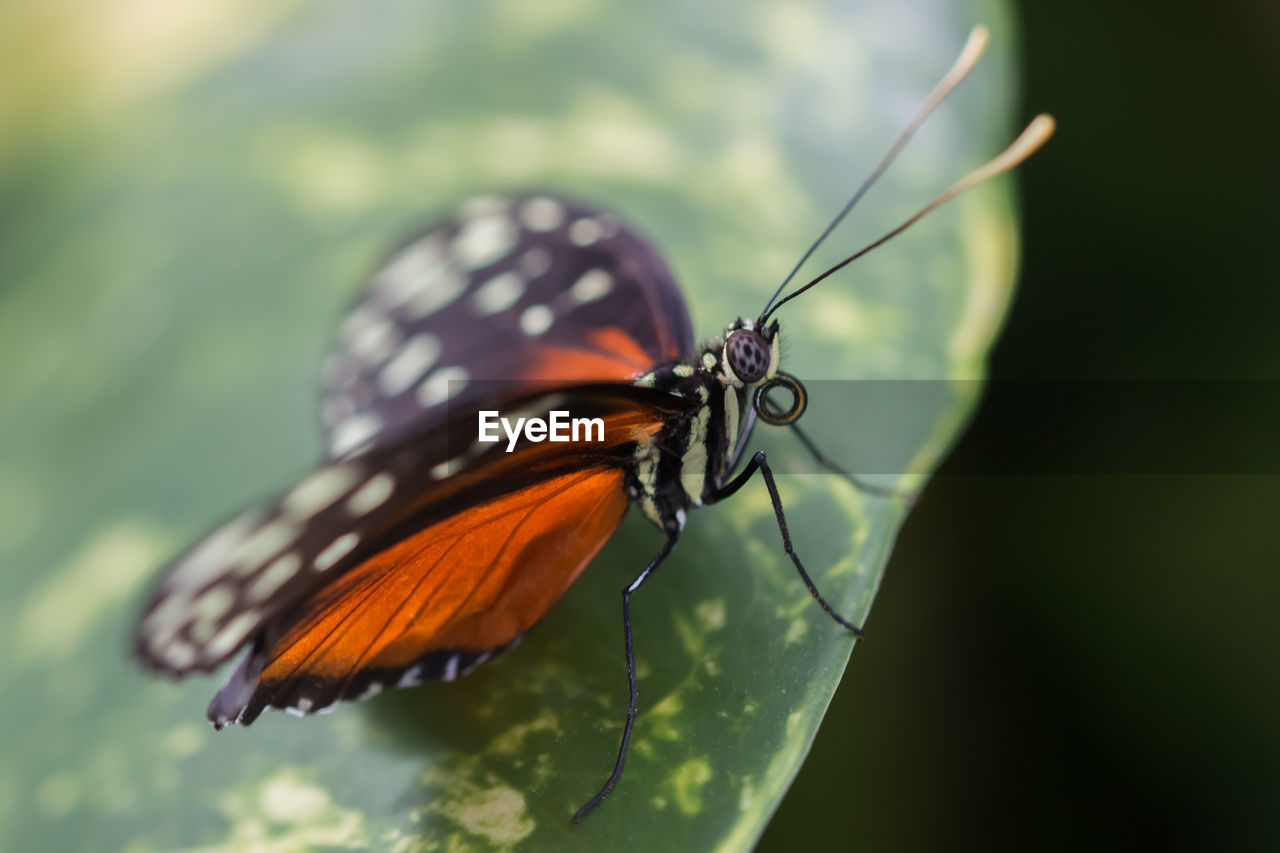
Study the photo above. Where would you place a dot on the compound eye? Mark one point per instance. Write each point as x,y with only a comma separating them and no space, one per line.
748,354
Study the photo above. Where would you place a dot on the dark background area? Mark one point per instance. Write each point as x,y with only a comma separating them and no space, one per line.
1085,661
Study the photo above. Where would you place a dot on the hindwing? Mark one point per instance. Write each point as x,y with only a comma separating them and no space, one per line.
433,605
230,587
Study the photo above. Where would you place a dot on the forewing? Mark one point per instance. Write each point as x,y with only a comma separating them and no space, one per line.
222,592
433,605
533,291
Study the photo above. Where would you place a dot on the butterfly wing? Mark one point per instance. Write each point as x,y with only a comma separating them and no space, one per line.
252,570
413,552
434,605
533,289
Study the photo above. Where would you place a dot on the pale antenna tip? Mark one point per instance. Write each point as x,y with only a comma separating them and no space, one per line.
972,51
1043,125
1036,134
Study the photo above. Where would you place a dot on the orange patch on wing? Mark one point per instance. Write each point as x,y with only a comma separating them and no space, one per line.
475,580
622,346
613,355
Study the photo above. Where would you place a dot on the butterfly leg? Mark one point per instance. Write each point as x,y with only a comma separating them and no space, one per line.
861,485
759,462
633,707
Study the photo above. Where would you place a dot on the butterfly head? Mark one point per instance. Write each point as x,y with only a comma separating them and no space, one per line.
750,354
749,358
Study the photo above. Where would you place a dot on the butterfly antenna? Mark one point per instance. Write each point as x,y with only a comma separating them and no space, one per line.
1037,133
969,56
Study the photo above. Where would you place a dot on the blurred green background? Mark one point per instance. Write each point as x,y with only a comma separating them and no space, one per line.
1054,662
1085,662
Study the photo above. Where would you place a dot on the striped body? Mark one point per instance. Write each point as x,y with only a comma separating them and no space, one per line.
692,458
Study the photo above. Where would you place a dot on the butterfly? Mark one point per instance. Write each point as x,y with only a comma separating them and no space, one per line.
416,550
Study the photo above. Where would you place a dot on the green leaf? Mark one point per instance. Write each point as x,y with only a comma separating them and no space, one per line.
172,268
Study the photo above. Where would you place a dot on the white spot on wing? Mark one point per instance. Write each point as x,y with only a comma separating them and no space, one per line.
484,240
442,385
336,550
263,543
209,558
357,322
231,635
321,489
585,231
593,285
535,262
179,655
410,271
375,342
542,214
374,688
353,432
449,466
371,495
201,631
498,293
447,287
536,319
274,576
409,364
162,622
213,604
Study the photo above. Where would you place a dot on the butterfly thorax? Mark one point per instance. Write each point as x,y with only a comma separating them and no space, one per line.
691,458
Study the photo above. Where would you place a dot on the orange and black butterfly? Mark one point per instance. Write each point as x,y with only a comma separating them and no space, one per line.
416,551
